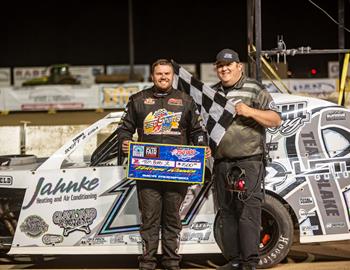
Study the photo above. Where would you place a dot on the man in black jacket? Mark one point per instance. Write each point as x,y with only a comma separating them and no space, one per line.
161,114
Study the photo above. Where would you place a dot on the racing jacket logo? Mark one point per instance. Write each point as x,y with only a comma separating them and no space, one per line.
162,122
149,101
175,101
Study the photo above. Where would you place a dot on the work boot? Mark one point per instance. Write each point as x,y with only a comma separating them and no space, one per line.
229,266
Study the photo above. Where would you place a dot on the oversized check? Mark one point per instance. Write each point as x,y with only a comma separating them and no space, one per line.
167,163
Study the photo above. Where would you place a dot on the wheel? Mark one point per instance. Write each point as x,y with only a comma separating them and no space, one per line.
277,230
276,236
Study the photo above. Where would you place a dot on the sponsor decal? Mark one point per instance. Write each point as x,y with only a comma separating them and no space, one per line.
347,199
126,189
200,138
82,136
337,167
275,252
335,225
62,186
6,180
34,226
184,153
138,151
80,197
334,116
93,241
162,122
196,235
294,116
309,228
175,102
149,101
272,146
272,106
152,152
75,220
306,200
135,238
304,214
327,196
116,239
52,239
76,141
199,226
276,175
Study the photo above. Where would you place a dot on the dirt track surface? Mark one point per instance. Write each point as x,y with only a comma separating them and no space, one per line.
323,256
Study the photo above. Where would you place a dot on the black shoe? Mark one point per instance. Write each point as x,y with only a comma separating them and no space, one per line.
230,266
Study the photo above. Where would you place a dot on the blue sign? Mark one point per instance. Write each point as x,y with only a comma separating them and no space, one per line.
167,163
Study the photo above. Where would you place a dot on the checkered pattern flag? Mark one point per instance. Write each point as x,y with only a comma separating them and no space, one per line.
216,110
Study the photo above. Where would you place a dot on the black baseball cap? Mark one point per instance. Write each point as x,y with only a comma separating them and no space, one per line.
227,55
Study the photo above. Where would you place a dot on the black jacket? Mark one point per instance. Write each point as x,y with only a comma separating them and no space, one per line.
162,117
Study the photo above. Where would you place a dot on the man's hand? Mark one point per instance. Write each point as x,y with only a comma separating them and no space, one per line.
207,152
243,109
125,146
266,118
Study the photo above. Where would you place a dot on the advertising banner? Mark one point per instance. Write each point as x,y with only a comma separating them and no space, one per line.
22,74
191,68
86,74
166,163
5,76
333,69
208,73
2,100
142,72
48,97
117,96
313,86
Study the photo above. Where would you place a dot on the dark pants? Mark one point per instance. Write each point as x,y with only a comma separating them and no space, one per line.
159,204
240,214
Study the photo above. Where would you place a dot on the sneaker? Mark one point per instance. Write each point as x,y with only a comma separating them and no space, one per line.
230,266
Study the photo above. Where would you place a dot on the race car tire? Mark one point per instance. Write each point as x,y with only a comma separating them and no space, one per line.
276,236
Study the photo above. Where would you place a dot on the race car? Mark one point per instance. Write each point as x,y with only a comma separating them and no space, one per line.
79,201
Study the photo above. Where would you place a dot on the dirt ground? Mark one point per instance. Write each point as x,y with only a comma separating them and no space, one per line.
322,256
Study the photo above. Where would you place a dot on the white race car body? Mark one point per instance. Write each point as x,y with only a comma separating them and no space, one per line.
75,208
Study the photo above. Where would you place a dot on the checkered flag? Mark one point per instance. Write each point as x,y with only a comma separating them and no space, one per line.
216,110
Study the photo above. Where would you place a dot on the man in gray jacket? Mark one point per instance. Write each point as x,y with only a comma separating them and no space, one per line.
239,165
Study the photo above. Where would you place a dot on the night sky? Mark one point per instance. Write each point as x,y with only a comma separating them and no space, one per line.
81,33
